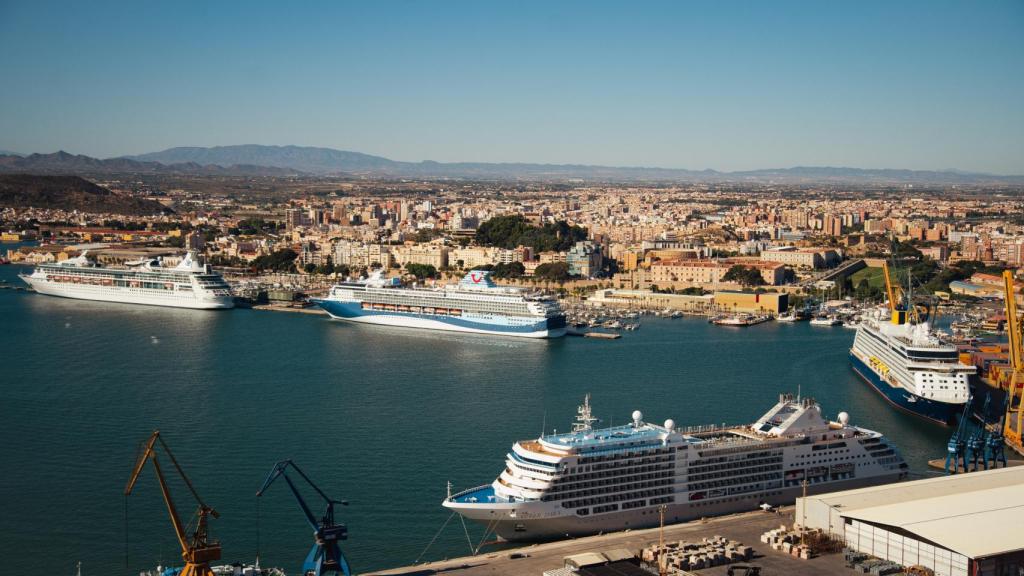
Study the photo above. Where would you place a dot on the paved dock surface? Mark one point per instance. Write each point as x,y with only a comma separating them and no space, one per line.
746,528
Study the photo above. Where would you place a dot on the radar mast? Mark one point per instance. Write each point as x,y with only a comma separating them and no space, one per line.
584,417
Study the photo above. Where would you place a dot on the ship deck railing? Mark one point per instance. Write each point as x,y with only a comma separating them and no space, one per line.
482,494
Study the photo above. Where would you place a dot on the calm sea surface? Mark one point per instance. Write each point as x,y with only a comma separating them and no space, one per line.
380,417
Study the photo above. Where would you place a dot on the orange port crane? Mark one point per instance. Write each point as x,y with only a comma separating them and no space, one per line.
196,547
890,290
1015,394
900,305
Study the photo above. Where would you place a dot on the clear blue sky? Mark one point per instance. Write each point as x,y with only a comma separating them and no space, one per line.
716,84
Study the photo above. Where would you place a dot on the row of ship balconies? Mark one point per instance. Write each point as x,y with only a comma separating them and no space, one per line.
612,498
763,467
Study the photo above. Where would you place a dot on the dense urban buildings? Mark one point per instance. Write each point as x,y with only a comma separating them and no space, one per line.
663,238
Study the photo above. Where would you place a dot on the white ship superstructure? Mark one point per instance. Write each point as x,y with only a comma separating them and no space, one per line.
910,366
598,480
475,305
190,284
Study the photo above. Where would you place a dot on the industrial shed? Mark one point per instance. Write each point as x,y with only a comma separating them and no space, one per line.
963,525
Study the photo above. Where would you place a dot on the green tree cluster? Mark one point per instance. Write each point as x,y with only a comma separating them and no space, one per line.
421,271
512,231
745,275
255,226
503,270
280,261
426,235
553,272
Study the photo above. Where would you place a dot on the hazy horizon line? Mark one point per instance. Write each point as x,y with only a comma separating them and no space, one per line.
535,163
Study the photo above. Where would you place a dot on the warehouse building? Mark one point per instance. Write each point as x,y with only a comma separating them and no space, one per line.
773,303
962,525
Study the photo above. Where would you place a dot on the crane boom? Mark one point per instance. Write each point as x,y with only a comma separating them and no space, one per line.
277,472
889,290
197,550
325,556
1013,420
1012,322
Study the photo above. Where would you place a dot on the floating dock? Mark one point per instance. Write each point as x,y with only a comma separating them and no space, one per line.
588,334
296,309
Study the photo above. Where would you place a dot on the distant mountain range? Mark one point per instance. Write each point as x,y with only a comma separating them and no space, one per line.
259,160
71,193
325,161
65,163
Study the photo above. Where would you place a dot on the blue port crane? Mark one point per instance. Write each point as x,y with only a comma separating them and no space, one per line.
994,443
956,448
325,557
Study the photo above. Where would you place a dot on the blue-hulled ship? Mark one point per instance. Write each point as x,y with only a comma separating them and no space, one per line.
910,366
475,305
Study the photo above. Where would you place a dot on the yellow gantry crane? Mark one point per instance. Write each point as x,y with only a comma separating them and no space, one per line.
196,547
895,295
1014,419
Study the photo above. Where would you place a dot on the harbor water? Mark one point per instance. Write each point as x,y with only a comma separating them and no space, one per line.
381,417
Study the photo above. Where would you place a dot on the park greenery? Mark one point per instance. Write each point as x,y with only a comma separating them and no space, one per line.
745,275
255,226
928,276
421,271
280,261
553,272
513,231
503,270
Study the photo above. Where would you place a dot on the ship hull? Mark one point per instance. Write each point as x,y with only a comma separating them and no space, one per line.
523,527
944,413
353,312
127,296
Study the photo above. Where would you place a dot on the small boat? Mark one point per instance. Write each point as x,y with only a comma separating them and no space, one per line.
739,319
825,321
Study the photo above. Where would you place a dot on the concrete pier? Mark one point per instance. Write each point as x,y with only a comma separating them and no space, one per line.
535,559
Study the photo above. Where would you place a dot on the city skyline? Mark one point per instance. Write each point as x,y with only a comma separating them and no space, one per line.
923,86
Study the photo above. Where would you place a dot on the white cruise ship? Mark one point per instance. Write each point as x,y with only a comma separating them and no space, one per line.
910,366
190,284
599,480
476,305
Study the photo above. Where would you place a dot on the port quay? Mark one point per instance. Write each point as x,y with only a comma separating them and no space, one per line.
527,288
555,375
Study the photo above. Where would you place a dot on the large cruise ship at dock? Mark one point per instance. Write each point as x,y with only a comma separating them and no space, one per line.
910,366
476,305
599,480
190,284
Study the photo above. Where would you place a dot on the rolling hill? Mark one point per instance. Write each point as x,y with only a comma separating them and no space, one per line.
71,193
65,163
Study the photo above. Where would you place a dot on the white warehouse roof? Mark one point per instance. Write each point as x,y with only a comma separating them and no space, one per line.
977,514
976,524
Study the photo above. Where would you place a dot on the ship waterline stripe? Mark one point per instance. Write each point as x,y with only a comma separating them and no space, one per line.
353,311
